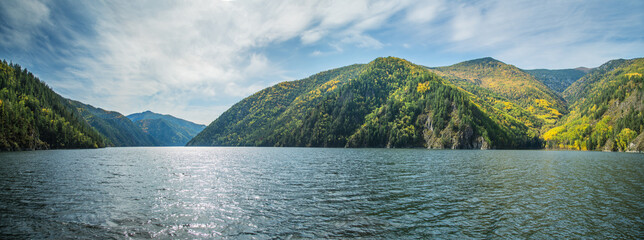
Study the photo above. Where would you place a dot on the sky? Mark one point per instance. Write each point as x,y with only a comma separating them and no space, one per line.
195,59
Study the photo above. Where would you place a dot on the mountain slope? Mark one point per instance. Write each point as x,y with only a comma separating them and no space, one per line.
559,79
607,108
386,103
118,129
166,130
249,121
584,85
32,116
509,90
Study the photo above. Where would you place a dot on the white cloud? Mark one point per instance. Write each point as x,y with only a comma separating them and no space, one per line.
362,40
173,52
425,11
312,36
347,22
466,23
546,34
184,58
21,20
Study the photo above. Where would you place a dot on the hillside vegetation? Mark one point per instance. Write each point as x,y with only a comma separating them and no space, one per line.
509,89
32,116
482,103
606,110
389,102
386,103
117,129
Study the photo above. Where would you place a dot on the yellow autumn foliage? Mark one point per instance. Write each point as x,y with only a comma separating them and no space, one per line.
542,103
624,138
552,133
423,87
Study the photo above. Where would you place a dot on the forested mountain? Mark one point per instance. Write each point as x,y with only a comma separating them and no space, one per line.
386,103
559,79
32,116
118,129
166,130
606,110
389,102
510,90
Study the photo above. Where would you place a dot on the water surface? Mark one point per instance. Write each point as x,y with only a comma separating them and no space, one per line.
320,193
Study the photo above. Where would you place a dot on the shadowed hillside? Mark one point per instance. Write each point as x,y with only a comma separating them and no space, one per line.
32,116
166,130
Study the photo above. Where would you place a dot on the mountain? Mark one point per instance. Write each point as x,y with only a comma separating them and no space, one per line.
607,108
118,129
560,79
166,130
389,102
509,89
32,116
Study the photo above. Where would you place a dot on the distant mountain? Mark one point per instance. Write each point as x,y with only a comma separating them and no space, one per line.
560,79
32,116
166,130
584,69
607,108
118,129
389,102
509,90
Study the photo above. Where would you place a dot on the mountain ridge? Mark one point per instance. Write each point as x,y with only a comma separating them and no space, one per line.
510,89
558,79
33,116
165,129
376,105
607,110
346,108
389,102
121,131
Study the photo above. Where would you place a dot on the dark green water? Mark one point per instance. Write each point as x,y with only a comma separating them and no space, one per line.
320,193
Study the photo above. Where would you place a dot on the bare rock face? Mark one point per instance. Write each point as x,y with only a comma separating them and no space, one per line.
465,139
451,137
637,145
608,147
480,143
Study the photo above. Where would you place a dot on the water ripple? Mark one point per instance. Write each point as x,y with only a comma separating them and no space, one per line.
261,193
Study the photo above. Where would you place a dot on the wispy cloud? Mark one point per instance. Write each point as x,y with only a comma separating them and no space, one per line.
195,59
20,20
547,33
174,53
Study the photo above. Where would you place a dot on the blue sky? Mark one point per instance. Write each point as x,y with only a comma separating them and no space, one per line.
195,59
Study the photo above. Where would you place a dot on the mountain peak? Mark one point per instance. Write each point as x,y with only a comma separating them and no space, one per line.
165,129
388,60
486,61
583,69
352,106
